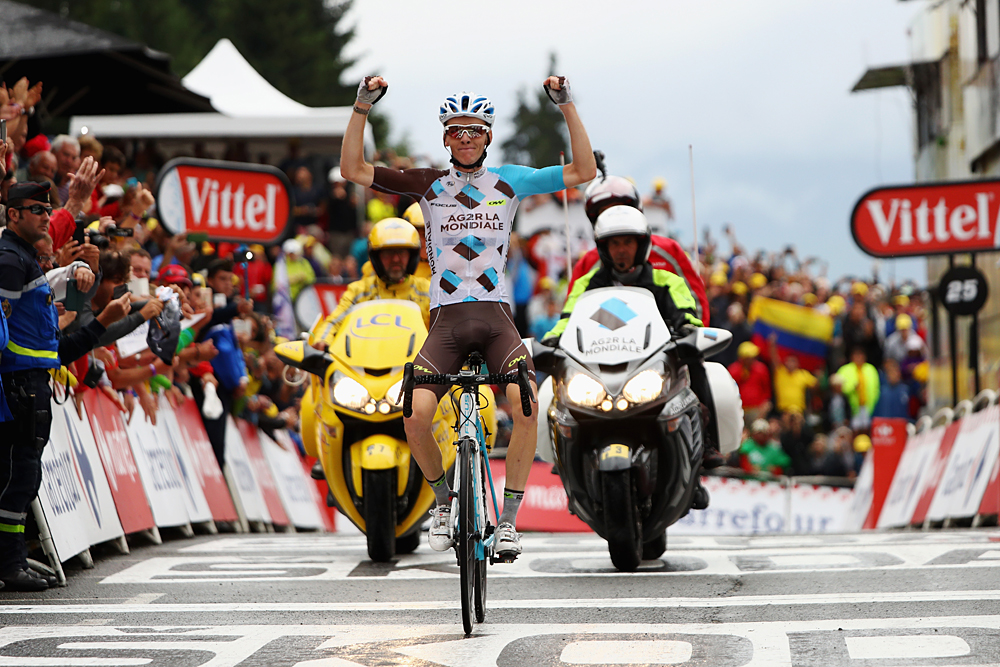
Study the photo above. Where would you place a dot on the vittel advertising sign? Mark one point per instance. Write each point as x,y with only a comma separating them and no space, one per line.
928,219
225,201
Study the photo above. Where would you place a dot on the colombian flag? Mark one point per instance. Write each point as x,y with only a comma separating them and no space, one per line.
801,331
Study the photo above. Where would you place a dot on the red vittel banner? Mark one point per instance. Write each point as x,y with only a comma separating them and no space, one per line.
928,219
225,201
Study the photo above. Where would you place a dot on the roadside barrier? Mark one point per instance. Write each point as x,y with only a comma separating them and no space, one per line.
946,474
105,477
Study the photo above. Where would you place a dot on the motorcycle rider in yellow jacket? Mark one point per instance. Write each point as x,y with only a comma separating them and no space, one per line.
415,217
394,252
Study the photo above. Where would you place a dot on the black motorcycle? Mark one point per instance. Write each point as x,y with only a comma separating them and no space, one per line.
626,429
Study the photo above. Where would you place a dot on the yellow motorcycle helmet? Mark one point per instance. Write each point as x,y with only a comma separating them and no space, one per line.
393,233
414,215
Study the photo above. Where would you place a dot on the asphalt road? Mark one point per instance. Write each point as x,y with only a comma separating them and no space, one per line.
309,600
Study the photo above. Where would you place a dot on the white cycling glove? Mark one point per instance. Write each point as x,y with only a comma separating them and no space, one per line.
370,96
562,96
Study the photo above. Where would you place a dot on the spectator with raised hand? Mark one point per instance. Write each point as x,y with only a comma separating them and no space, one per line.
67,152
80,185
790,381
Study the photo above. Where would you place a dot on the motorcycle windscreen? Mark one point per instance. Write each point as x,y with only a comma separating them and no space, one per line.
614,325
384,333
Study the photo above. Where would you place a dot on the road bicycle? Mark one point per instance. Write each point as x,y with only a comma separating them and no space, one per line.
471,525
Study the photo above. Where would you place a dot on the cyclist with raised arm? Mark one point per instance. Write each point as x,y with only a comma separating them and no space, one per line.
468,214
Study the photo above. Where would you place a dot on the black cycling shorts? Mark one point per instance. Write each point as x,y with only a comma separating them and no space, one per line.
460,328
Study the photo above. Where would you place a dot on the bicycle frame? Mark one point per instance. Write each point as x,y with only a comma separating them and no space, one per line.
470,430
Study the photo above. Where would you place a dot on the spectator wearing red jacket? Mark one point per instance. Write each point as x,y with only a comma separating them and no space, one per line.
754,381
665,254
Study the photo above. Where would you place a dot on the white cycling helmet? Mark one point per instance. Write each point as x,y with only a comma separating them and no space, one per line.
467,105
622,221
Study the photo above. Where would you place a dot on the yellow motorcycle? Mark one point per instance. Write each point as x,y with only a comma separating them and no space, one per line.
352,421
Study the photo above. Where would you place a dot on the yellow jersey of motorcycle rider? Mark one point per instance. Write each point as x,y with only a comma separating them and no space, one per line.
394,253
468,309
623,240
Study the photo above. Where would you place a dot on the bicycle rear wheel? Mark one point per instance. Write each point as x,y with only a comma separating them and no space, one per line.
466,528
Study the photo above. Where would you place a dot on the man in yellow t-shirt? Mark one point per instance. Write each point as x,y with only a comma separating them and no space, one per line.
790,381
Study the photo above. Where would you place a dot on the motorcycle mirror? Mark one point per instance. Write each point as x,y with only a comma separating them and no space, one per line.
304,357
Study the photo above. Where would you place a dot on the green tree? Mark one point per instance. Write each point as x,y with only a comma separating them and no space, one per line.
539,129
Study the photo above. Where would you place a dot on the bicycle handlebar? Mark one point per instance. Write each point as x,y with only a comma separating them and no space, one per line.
469,380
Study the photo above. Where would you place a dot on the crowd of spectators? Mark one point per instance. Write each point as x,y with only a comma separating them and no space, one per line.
798,421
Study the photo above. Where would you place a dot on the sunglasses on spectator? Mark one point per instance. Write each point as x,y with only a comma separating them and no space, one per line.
474,131
36,209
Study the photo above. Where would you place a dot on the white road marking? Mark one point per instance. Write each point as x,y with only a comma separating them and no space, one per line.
809,599
906,647
234,644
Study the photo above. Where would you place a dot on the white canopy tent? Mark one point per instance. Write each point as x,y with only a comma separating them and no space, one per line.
250,110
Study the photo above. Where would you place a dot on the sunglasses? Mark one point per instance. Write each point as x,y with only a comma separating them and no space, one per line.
36,209
474,131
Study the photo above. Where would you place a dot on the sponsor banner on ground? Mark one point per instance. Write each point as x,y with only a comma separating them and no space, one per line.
911,474
206,468
119,464
62,495
294,487
262,472
194,498
935,472
544,506
968,472
244,477
161,477
97,491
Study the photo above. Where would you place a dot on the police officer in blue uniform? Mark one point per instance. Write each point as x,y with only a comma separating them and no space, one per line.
33,348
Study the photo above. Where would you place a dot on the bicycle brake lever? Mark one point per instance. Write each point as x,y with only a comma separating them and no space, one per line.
407,390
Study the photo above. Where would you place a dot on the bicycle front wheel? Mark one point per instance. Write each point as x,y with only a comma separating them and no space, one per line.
480,578
466,532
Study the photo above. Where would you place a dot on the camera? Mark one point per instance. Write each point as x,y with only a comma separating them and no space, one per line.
119,232
99,240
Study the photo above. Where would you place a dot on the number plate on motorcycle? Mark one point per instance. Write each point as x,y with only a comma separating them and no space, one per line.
615,451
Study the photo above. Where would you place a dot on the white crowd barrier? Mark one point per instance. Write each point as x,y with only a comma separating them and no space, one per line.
946,474
105,476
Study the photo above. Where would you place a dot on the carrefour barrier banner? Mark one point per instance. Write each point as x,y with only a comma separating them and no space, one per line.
860,514
294,488
262,473
194,498
119,465
244,478
161,477
61,495
737,507
204,466
97,493
935,472
969,467
911,474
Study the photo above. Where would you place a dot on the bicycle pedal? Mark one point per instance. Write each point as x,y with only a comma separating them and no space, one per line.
505,558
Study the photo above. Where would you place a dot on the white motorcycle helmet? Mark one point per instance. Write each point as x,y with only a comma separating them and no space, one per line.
622,221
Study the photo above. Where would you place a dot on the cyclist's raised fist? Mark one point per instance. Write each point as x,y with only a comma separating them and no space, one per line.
371,89
558,90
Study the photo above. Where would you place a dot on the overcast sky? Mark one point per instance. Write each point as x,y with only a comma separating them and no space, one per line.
760,88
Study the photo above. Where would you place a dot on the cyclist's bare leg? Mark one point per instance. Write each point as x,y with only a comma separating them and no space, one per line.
422,444
523,437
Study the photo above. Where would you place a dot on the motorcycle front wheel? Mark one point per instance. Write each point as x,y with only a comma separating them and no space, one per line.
622,522
379,488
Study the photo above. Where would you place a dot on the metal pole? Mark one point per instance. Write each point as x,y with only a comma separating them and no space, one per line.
565,198
953,346
974,341
694,216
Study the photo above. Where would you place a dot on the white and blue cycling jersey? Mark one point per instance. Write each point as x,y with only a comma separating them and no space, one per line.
468,218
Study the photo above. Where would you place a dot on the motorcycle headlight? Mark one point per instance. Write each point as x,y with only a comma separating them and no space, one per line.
350,393
644,387
585,390
394,394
